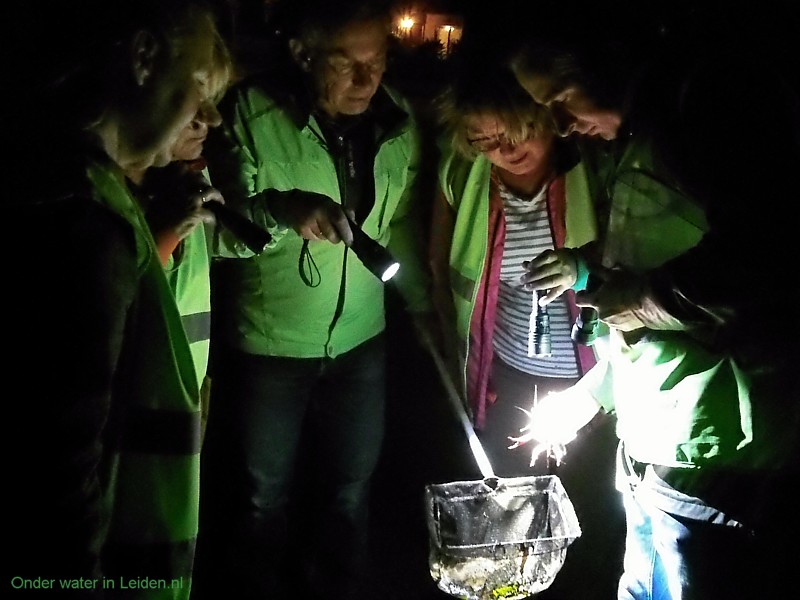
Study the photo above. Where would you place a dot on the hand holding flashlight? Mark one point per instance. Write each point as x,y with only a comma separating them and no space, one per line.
616,297
314,217
177,211
552,271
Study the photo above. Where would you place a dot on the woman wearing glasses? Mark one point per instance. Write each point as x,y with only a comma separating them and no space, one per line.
513,197
504,180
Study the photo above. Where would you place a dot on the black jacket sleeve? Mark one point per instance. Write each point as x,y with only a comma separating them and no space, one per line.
733,142
72,278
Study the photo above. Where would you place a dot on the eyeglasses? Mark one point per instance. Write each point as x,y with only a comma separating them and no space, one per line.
489,144
344,67
492,143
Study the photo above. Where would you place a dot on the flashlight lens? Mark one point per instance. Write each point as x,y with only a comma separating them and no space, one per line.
374,257
390,272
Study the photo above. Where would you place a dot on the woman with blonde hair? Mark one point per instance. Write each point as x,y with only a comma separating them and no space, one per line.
106,477
513,200
504,180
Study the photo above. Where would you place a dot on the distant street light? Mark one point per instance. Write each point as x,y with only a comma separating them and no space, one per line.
406,23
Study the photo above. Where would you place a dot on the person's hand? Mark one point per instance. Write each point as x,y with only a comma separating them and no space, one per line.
618,299
312,216
554,421
553,270
183,211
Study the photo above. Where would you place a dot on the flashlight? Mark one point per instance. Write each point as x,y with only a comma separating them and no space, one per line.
253,236
539,341
374,256
584,330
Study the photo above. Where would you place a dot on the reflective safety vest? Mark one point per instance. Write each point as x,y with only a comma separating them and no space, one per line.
153,434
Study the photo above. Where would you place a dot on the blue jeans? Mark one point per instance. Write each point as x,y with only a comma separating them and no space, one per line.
292,446
678,547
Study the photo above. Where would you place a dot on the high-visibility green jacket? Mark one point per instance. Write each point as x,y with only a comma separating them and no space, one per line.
269,142
153,438
107,471
679,400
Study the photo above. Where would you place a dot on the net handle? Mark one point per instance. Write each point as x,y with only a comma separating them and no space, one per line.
457,403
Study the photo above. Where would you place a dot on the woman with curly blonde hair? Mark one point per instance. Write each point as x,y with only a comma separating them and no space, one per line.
513,200
504,181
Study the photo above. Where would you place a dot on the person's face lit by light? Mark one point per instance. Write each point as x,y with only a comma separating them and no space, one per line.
347,69
572,109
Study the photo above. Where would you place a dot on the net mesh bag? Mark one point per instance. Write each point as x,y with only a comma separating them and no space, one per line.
507,540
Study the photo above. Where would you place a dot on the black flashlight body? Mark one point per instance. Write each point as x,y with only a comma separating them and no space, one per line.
375,257
584,330
253,236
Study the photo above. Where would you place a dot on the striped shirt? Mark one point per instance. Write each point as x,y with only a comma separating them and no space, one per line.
528,233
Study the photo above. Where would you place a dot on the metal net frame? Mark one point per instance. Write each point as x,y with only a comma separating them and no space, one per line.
507,540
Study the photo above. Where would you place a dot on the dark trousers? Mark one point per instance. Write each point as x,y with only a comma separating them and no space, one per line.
292,445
